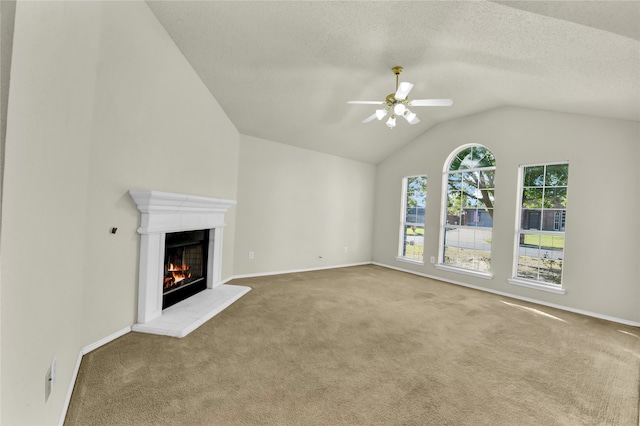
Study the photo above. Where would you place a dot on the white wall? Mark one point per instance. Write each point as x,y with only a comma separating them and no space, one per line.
101,102
602,233
7,16
49,117
155,126
295,206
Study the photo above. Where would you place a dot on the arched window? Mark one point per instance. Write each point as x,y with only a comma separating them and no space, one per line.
468,210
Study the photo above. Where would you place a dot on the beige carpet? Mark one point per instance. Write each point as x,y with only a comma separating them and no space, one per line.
368,346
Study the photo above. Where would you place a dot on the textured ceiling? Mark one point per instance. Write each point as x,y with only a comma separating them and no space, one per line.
284,71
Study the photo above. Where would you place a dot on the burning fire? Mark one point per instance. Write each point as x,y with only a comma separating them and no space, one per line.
178,273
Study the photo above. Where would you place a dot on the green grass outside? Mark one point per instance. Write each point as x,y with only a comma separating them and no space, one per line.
549,241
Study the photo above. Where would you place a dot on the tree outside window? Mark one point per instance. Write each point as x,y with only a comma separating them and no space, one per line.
468,218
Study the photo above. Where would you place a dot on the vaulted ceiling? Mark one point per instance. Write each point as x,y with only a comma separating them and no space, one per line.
284,70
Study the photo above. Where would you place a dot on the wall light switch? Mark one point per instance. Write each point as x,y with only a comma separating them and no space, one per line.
433,259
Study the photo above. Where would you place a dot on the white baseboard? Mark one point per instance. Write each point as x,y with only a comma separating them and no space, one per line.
515,296
76,369
291,271
105,340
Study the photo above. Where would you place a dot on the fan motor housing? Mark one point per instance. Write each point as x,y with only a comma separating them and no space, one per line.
391,100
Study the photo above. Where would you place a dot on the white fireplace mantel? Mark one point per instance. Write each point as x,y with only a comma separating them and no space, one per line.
167,212
163,212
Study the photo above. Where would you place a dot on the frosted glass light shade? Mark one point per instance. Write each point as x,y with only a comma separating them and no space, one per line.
411,117
391,122
399,109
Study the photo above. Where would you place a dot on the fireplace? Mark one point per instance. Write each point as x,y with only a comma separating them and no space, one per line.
180,274
185,265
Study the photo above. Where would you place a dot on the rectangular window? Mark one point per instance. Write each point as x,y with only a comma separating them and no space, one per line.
414,203
542,219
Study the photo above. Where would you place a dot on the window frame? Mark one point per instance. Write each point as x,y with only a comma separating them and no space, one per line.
518,231
401,252
444,213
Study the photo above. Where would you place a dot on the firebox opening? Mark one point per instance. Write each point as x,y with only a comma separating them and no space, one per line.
185,265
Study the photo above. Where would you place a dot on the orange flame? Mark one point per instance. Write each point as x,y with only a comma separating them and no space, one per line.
178,273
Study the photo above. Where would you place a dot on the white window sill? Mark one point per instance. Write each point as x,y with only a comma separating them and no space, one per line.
538,286
408,260
479,274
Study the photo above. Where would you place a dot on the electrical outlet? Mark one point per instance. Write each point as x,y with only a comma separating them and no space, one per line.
250,255
346,249
433,259
49,379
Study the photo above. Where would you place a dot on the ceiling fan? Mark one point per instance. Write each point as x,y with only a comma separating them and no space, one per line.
397,103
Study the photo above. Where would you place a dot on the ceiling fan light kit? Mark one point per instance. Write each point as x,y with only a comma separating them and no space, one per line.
397,103
391,122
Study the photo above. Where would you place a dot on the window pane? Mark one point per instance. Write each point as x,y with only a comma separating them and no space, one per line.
528,267
413,241
485,157
486,178
483,239
532,198
454,201
469,182
557,175
484,218
466,238
454,209
555,198
455,182
530,219
553,220
551,242
482,260
468,258
415,215
469,200
416,191
461,160
486,198
529,240
534,176
551,266
451,237
450,256
468,162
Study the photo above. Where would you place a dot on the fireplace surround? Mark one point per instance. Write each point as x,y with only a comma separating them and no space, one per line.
162,213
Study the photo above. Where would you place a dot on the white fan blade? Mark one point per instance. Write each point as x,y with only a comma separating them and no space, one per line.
370,118
403,90
366,102
431,102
